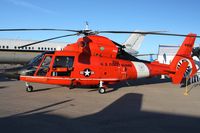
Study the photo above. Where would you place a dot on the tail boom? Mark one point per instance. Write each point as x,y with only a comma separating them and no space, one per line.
182,65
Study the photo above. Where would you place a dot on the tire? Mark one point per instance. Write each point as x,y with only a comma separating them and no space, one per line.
102,90
29,88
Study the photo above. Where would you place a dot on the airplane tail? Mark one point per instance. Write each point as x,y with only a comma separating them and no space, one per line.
183,65
133,43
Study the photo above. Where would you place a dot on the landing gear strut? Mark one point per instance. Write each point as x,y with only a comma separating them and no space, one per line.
29,88
102,89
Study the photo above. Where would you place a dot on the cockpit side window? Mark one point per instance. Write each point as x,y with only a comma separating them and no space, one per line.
64,61
44,68
46,61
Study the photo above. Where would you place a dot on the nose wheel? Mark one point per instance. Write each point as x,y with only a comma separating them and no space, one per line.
29,88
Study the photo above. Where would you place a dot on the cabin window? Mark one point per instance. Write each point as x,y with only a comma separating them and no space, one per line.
54,48
38,48
3,47
42,48
7,47
15,47
63,66
29,47
48,48
0,46
32,47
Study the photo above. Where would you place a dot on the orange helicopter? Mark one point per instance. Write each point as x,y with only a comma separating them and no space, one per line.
96,60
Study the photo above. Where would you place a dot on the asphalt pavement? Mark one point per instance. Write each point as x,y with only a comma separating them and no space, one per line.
146,105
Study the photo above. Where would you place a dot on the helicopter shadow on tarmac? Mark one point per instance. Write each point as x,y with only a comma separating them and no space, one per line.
193,86
3,87
122,116
138,82
45,89
5,79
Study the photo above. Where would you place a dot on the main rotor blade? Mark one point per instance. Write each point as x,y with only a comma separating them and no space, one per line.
39,30
145,33
45,40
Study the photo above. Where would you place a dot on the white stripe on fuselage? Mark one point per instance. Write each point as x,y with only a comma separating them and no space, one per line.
141,69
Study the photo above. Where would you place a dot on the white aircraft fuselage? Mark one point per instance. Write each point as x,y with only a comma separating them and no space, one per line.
10,53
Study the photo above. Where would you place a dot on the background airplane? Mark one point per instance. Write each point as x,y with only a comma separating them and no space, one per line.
133,43
11,53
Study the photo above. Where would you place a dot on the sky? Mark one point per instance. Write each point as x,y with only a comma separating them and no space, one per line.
173,16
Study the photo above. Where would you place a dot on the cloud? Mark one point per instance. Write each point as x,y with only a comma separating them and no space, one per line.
30,6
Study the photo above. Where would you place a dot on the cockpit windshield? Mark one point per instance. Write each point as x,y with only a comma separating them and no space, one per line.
37,60
32,66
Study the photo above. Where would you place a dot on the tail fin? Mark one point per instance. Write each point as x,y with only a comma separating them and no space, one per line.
183,65
133,43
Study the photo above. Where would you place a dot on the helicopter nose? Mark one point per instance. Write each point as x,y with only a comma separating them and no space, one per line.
25,72
22,72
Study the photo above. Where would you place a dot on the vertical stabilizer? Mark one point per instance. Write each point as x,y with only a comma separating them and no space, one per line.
183,65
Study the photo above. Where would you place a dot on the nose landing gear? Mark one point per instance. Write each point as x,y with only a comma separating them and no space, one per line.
29,88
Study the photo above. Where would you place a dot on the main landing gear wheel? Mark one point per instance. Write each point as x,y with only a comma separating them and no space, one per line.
102,90
29,88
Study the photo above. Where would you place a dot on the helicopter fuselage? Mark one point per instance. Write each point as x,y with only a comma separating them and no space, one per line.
89,61
96,60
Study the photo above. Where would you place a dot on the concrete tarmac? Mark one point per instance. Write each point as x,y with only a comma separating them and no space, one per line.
146,105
